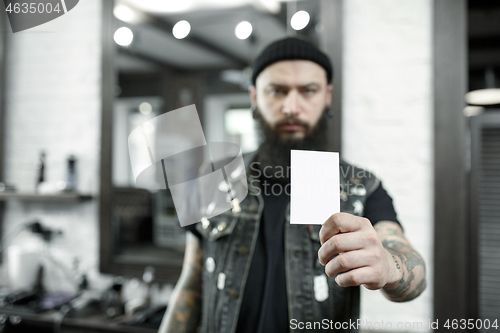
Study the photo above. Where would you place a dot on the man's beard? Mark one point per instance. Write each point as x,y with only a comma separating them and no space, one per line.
274,152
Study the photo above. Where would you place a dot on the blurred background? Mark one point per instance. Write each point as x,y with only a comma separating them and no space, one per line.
416,101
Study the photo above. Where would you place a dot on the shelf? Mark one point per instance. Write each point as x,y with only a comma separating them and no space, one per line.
56,197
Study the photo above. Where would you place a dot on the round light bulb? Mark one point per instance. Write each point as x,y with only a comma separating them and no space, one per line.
123,36
181,29
300,20
145,108
243,30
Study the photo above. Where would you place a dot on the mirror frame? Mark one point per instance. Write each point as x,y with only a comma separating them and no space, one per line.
169,271
3,54
165,271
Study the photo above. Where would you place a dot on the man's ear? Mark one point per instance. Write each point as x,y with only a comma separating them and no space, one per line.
329,94
253,95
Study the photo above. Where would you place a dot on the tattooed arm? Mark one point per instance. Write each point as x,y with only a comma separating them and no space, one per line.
184,308
408,262
380,257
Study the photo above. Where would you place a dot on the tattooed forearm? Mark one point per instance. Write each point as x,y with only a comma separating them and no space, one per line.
184,308
186,312
406,260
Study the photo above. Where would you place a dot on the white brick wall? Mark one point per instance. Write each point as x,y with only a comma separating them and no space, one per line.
387,125
53,84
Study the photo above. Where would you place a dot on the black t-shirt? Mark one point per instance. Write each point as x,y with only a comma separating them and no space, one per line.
264,306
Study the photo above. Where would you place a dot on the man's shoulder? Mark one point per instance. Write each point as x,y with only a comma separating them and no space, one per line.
350,173
346,165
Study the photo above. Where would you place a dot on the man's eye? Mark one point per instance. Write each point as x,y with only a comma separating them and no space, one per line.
309,91
277,92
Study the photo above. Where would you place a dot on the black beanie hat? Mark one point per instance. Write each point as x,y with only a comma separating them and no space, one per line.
288,49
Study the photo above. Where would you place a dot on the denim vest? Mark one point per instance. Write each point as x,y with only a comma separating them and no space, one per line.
229,241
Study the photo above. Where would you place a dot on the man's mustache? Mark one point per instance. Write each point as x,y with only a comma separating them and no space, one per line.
292,120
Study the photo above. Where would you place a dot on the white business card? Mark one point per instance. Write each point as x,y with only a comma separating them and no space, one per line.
315,188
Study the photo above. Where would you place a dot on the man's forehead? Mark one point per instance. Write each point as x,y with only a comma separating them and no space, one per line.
292,72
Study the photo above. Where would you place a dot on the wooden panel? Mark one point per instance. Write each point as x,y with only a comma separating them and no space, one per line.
108,84
489,225
451,274
331,41
3,30
485,213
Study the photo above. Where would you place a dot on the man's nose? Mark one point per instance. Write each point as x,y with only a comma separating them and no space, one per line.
291,103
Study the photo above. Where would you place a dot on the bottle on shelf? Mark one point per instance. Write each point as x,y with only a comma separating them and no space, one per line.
71,180
40,169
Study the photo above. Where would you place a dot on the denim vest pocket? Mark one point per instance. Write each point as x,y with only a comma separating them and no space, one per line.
218,226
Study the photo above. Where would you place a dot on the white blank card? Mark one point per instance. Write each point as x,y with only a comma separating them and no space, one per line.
315,188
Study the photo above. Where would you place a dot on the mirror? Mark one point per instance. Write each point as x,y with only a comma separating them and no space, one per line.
2,122
148,71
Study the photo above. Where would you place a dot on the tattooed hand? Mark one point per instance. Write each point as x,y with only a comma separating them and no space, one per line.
381,257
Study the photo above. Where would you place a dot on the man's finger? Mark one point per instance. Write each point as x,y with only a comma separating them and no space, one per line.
341,222
340,243
356,277
345,262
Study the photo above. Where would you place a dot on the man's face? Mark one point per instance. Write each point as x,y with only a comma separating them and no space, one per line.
291,96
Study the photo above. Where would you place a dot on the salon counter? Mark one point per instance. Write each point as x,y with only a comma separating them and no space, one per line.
19,322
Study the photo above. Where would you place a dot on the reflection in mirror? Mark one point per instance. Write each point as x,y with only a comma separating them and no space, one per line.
161,66
145,226
145,222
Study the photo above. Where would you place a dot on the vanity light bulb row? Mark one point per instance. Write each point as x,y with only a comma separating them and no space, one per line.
243,30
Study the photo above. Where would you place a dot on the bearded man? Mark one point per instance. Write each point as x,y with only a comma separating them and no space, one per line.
253,271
